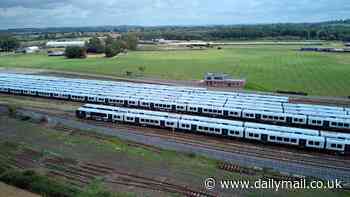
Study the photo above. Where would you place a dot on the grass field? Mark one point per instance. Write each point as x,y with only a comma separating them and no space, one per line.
267,68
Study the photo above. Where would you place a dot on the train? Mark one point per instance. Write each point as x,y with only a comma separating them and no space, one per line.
272,134
270,109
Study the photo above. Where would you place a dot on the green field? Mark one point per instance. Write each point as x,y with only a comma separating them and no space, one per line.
267,68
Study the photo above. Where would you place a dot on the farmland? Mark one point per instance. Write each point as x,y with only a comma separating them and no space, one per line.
266,68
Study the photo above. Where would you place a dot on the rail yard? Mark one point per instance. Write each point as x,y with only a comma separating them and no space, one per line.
243,129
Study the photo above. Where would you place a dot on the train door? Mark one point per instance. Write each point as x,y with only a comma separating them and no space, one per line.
110,117
347,149
326,124
225,113
289,120
258,116
224,132
125,103
137,120
200,110
264,137
151,106
193,127
173,108
80,114
162,124
302,143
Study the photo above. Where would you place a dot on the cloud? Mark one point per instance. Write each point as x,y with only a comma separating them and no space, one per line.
43,13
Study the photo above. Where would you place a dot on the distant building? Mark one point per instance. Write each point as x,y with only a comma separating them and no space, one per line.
64,44
32,49
55,53
223,80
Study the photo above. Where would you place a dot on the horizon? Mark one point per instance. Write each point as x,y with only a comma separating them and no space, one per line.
16,14
175,25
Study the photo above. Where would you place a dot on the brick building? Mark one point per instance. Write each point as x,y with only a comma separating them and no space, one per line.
223,81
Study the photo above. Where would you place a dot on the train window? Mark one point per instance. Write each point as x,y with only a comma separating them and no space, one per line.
237,132
251,134
272,137
200,127
317,143
333,145
319,122
286,139
206,128
220,111
346,125
293,140
211,129
334,124
264,116
311,142
314,121
341,124
279,138
142,120
217,130
339,146
301,120
256,135
183,125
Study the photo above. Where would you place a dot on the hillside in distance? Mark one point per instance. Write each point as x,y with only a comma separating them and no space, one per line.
329,30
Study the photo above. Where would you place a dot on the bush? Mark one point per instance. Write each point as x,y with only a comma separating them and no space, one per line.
75,52
36,183
114,48
95,45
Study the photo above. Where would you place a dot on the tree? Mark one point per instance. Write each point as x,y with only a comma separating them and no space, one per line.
9,43
95,45
75,52
113,48
131,40
109,40
142,68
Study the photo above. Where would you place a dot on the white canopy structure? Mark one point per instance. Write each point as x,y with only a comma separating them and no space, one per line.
64,44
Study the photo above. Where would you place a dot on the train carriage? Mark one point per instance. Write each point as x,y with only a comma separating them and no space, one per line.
338,145
203,127
314,142
339,123
233,112
253,134
317,121
273,117
233,131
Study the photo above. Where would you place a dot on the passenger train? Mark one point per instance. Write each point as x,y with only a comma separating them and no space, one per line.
303,138
228,105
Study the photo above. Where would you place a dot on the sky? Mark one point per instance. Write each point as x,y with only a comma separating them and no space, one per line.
72,13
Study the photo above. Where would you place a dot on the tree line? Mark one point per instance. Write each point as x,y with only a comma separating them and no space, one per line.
332,30
8,43
109,46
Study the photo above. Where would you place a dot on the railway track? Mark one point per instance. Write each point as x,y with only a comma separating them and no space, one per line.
233,146
80,174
